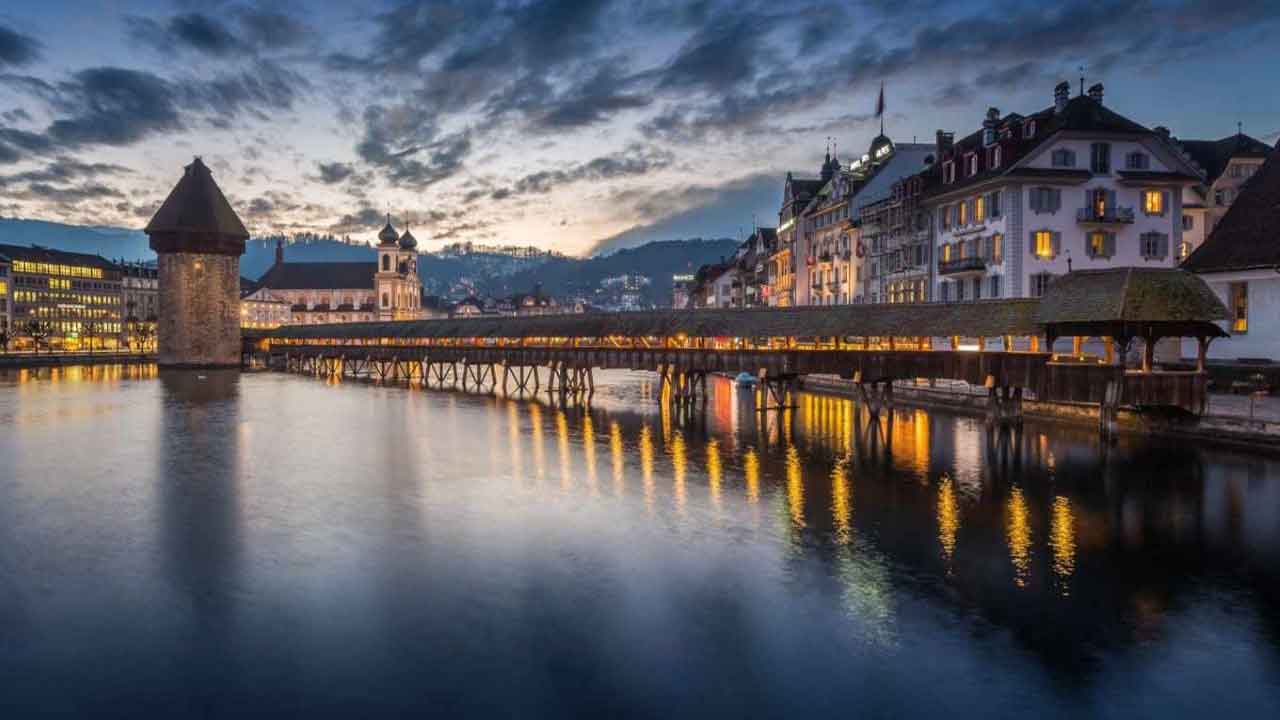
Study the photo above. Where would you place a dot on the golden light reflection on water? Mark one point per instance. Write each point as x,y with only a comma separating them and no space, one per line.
841,501
562,447
589,452
1062,541
948,518
795,487
515,439
1018,531
679,465
535,428
751,473
646,464
714,472
615,448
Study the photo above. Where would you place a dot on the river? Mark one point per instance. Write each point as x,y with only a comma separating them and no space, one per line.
222,545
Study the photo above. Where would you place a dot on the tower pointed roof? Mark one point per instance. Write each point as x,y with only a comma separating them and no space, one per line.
196,217
388,234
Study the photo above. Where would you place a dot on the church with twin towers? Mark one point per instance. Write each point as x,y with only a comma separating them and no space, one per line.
389,288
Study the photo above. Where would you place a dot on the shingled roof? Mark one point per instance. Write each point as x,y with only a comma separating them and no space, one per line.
991,318
35,253
1214,155
319,276
196,217
1127,300
1248,236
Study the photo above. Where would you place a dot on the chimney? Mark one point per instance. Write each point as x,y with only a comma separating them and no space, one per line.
945,142
989,126
1162,131
1095,93
279,251
1061,94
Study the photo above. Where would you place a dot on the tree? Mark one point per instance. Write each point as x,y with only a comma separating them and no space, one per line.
39,333
146,333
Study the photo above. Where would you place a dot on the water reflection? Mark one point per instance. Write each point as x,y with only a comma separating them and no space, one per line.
883,542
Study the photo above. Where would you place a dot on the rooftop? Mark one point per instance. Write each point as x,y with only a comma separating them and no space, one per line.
319,276
1248,236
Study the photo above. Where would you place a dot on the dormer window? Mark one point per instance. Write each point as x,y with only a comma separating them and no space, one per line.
1029,129
973,164
948,172
993,157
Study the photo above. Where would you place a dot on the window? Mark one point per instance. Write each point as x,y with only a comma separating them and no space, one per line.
977,288
1029,129
945,289
1239,295
1098,202
997,248
963,209
1155,246
1064,158
1219,197
1042,242
1045,200
995,286
946,253
1188,222
994,157
1237,171
1040,282
948,172
980,208
1100,244
973,164
993,204
959,290
1153,201
386,300
1100,158
1137,161
386,265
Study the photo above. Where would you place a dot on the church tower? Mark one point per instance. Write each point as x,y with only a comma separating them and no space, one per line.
399,289
199,240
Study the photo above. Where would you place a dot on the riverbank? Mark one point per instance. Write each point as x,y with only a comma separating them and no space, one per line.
1254,433
18,361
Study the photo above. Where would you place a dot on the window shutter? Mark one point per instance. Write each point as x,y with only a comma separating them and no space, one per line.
1163,246
1056,241
1111,201
1056,201
1109,245
1164,203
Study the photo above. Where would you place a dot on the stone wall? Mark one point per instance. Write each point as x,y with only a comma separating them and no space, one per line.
199,323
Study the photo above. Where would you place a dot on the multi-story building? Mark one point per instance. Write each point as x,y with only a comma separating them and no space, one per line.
782,265
6,305
1029,198
264,314
1239,262
892,228
1225,165
140,287
329,292
681,289
754,266
73,300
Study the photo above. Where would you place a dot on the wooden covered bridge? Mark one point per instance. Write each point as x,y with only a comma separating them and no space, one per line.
1007,346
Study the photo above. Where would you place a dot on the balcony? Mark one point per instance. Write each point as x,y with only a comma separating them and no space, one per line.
1105,216
962,266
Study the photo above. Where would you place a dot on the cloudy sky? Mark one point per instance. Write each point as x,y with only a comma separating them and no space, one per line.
577,125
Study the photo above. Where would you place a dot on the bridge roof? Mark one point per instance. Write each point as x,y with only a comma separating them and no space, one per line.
990,318
1124,301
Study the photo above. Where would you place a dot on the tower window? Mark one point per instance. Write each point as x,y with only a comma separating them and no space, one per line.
386,267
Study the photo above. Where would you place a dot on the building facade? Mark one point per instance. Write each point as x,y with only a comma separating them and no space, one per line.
341,292
6,305
59,300
1239,261
1029,198
140,288
1225,165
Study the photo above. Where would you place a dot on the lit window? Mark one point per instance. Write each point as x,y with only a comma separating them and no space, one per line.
1098,245
997,247
964,213
1153,201
1239,292
946,253
1044,244
980,209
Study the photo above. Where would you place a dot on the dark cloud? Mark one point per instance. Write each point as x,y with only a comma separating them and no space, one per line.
15,115
633,161
251,30
66,169
113,106
17,48
718,58
66,195
363,218
334,172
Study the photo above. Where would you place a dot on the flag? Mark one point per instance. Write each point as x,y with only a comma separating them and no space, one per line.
880,102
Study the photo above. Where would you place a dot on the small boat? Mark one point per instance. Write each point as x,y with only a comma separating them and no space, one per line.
745,379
